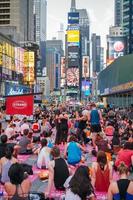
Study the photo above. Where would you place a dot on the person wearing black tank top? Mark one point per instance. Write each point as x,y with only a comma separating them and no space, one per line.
58,172
18,187
123,188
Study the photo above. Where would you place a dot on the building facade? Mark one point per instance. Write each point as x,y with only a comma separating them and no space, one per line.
128,23
84,25
118,13
96,53
16,20
40,25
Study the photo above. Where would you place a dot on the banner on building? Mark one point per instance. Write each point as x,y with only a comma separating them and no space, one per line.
73,56
85,67
63,66
73,77
73,18
116,47
19,105
73,37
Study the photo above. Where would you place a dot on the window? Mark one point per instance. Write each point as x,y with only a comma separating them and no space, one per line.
5,22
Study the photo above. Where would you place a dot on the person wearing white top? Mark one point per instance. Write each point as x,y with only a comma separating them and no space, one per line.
43,155
24,126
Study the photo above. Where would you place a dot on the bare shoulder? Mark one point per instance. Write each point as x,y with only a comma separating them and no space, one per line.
130,188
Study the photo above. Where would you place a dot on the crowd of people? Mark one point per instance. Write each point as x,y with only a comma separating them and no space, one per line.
80,149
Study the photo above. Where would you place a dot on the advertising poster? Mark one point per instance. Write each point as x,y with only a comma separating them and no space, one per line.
73,18
85,67
73,56
73,37
63,67
73,77
1,54
31,66
116,47
62,83
20,105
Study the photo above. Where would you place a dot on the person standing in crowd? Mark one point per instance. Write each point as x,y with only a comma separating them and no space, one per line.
95,119
101,173
123,188
17,187
5,163
64,127
58,172
78,186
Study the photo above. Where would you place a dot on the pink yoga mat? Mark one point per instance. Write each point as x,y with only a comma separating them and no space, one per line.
101,195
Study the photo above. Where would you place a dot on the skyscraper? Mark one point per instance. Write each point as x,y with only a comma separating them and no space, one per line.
118,12
84,25
40,21
40,12
128,23
16,19
96,53
73,6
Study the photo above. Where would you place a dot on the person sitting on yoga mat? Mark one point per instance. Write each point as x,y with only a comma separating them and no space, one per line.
58,171
18,187
25,143
123,188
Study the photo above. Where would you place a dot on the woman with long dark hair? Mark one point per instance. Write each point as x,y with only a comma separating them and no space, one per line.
5,163
101,173
79,187
19,186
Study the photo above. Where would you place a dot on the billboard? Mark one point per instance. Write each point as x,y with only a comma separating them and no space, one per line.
85,67
73,77
73,56
73,37
14,89
63,65
116,47
62,83
29,66
21,105
86,87
73,18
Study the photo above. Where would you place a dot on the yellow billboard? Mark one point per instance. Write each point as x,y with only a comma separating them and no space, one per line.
1,54
73,36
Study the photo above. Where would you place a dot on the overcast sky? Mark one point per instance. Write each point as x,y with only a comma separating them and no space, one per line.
101,14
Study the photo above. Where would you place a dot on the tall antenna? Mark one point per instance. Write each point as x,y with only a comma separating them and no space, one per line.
73,5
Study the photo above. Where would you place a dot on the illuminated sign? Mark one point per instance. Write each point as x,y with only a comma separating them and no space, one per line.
123,87
73,56
85,67
73,36
116,47
63,66
73,18
73,76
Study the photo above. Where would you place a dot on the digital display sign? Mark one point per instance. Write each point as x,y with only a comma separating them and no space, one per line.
73,37
73,18
73,77
116,47
73,56
85,67
63,72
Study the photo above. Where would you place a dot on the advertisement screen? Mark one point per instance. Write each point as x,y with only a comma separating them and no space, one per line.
73,77
86,87
73,18
14,89
63,67
116,47
73,36
21,105
62,83
73,56
85,67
